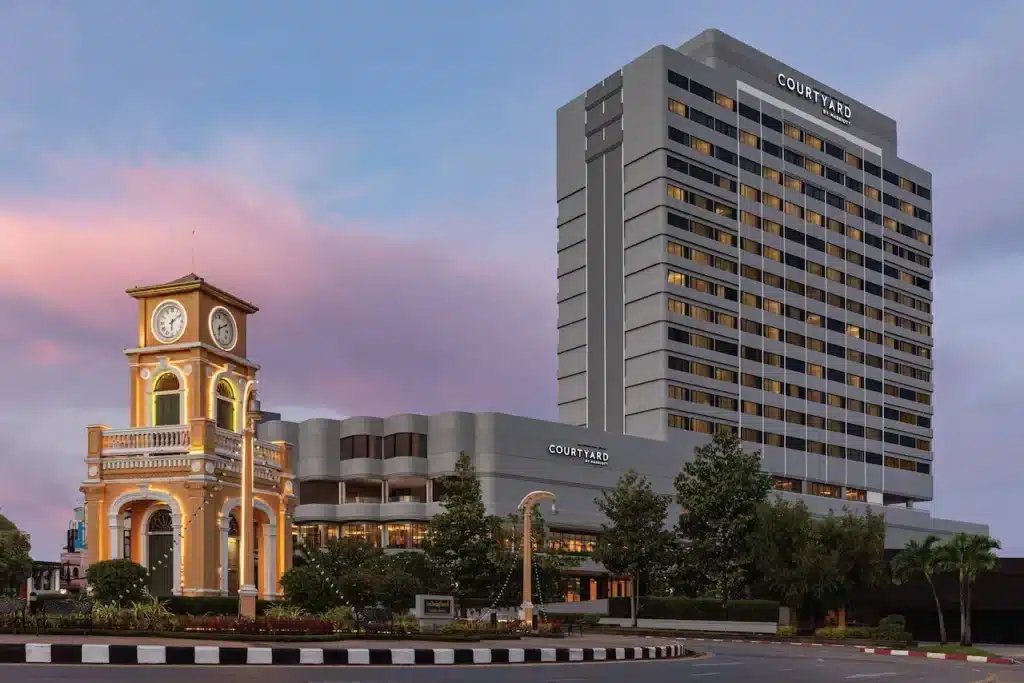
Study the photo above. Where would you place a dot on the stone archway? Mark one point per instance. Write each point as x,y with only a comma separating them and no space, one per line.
267,523
165,501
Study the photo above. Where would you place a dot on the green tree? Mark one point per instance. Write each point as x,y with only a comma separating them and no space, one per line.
394,586
306,586
968,555
15,561
927,558
855,545
118,582
787,562
719,492
461,539
634,542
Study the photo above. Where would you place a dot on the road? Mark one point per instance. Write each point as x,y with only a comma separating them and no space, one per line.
727,663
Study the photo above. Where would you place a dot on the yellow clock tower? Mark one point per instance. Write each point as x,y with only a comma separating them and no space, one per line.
167,491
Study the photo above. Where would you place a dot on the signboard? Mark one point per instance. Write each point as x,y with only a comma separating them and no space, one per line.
435,608
831,107
591,456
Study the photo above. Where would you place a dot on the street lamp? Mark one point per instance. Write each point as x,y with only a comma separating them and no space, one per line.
526,506
247,592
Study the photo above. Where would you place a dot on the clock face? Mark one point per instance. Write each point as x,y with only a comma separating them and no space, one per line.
222,328
169,321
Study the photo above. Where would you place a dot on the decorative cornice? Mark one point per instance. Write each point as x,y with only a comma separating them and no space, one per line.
190,346
191,283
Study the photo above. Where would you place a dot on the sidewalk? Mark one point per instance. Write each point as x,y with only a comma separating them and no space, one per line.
1014,651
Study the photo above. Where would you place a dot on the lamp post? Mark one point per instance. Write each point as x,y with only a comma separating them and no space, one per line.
526,506
247,592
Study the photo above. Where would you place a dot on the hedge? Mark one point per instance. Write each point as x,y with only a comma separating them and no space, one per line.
216,605
696,609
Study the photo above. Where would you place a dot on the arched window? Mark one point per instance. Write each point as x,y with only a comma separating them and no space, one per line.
167,400
161,522
225,405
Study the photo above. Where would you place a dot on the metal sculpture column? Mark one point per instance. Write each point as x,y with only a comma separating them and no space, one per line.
526,506
247,592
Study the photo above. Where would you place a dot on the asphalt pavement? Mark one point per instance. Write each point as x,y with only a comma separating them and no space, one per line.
726,663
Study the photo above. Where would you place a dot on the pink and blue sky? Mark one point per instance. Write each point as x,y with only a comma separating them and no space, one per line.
379,178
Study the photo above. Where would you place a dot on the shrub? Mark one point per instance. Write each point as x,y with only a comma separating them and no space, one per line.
893,629
257,626
214,605
830,633
285,610
697,609
785,631
118,581
341,618
592,619
306,587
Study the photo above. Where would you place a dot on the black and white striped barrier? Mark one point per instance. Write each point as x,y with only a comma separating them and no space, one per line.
60,653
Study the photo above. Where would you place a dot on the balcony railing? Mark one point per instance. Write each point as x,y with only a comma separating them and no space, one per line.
177,439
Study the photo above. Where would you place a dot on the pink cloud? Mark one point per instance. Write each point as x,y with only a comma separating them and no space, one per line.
47,352
353,318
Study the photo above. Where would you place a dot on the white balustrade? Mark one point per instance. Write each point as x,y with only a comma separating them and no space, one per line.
147,440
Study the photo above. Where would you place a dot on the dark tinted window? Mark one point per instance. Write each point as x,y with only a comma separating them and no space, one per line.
677,80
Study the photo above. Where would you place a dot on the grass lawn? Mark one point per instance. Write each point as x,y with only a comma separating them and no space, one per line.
957,649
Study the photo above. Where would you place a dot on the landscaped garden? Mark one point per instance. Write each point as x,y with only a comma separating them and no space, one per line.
742,554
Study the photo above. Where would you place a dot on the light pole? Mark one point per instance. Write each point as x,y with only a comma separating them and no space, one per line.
247,591
526,506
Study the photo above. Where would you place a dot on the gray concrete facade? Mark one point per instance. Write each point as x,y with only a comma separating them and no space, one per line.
513,456
720,212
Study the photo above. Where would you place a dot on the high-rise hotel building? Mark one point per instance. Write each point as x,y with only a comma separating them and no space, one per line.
741,247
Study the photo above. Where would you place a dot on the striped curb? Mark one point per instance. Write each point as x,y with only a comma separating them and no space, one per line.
60,653
766,642
977,659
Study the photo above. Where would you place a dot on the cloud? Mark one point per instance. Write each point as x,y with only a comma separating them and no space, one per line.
354,319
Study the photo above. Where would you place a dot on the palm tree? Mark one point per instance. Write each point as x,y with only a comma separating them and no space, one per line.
969,555
927,558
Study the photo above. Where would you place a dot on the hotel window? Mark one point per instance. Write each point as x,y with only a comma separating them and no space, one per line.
853,160
824,490
749,139
726,102
753,195
816,422
812,141
794,183
367,532
907,185
772,412
814,167
405,445
872,193
677,421
774,440
319,492
772,175
675,278
858,495
771,227
361,446
794,210
906,207
676,107
787,484
773,386
675,193
815,217
676,306
701,426
772,201
855,209
702,146
794,132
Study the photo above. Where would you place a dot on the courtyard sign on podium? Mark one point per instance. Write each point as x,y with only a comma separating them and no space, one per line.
591,456
830,106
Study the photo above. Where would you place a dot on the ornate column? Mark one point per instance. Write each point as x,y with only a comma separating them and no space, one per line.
247,592
526,506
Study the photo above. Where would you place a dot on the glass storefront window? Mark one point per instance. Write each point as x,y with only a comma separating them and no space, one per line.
364,531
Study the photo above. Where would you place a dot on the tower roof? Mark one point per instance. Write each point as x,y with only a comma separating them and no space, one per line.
191,283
